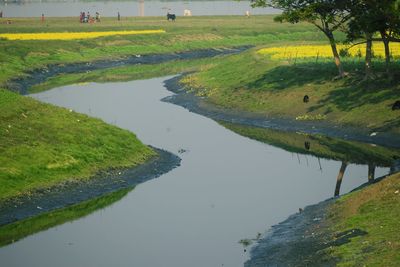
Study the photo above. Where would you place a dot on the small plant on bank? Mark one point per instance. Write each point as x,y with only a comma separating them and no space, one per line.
307,117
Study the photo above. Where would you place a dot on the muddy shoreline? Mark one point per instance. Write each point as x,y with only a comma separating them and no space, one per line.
21,85
200,106
301,238
70,193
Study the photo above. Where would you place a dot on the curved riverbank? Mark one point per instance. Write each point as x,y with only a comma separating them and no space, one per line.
322,234
307,238
69,193
200,105
17,208
34,77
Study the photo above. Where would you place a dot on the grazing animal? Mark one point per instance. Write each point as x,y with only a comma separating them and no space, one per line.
306,98
307,145
171,17
396,105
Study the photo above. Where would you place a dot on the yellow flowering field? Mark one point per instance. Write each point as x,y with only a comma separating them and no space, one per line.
72,35
325,51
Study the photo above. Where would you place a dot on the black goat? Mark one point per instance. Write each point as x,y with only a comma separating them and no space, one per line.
396,105
171,17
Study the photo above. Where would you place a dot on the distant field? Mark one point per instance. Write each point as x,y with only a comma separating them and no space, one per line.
187,33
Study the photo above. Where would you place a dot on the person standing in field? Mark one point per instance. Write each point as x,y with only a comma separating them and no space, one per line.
42,17
97,17
119,16
1,13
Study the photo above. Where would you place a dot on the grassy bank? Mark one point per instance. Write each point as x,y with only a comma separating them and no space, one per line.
375,211
361,228
42,145
254,82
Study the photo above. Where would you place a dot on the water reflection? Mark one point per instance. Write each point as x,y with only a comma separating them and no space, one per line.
324,147
13,232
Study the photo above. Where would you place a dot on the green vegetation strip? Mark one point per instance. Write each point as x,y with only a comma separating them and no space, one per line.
256,83
42,145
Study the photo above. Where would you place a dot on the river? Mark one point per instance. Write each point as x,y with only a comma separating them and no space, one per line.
228,188
129,8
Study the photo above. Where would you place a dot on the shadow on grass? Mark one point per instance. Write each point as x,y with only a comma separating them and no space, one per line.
346,94
287,76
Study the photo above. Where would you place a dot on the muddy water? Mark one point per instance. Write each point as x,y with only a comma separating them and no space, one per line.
228,187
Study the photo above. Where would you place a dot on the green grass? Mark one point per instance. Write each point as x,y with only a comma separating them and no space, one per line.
15,231
320,146
42,145
375,210
17,57
255,83
124,73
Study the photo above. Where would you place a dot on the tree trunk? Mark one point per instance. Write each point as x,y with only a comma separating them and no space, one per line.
371,172
368,57
385,40
335,54
340,178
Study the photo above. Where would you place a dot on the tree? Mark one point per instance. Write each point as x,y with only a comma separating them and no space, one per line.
369,17
327,16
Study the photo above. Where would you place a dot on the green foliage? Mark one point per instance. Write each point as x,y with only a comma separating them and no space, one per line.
277,88
42,145
374,210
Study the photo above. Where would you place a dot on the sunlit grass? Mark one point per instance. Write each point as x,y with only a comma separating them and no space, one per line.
42,145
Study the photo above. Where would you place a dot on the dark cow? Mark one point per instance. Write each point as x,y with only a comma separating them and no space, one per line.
171,17
307,145
396,105
306,99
